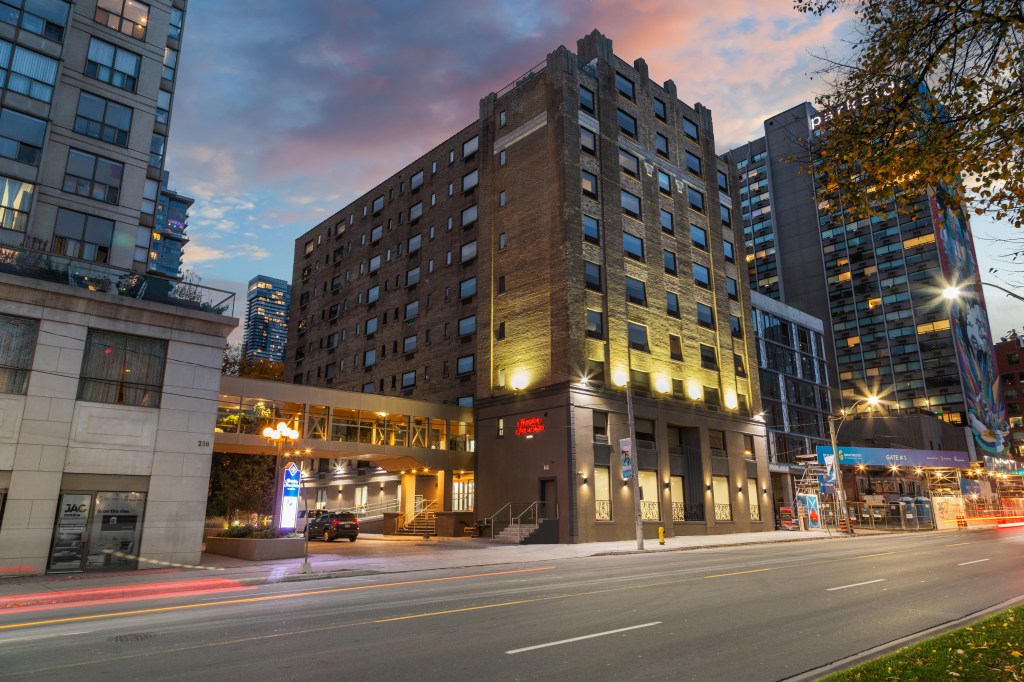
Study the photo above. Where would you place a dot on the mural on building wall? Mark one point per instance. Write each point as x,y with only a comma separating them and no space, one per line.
972,339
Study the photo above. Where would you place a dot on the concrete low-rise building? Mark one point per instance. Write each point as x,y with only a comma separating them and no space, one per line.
107,409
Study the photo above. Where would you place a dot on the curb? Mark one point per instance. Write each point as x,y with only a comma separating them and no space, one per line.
96,594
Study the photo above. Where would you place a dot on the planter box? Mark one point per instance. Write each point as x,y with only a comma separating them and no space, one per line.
257,550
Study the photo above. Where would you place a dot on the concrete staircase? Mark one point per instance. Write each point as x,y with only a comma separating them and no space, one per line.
422,524
515,534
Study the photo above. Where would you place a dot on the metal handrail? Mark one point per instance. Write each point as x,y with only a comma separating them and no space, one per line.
491,521
421,508
375,509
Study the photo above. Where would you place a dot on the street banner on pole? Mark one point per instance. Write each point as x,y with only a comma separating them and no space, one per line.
626,450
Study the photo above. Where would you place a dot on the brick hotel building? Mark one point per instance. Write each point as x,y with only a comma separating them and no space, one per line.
579,232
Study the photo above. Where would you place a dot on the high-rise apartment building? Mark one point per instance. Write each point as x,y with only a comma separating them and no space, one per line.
108,374
578,236
169,238
266,318
1009,354
876,283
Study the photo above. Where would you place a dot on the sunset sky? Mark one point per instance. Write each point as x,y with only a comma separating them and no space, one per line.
286,110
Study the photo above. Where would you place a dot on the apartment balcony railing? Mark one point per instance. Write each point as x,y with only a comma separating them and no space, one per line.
723,512
117,281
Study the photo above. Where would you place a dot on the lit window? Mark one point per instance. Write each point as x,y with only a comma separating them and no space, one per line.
129,17
121,369
588,182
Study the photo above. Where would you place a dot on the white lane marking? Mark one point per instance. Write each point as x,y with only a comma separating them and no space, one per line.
967,563
843,587
43,636
577,639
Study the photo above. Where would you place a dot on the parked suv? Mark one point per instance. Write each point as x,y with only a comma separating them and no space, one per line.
333,525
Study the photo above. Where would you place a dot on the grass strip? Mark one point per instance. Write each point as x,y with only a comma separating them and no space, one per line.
991,649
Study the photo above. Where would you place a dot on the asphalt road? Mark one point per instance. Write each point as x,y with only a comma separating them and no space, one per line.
744,613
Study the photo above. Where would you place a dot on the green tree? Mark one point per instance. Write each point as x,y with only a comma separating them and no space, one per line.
235,363
241,486
932,89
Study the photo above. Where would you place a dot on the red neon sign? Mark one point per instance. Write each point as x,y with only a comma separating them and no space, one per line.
529,425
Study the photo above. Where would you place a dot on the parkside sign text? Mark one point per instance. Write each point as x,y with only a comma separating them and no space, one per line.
853,104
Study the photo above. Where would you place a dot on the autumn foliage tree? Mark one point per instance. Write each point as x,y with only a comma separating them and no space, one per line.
932,94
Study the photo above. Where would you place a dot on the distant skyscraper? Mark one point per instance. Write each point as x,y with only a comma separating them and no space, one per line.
266,318
876,283
169,239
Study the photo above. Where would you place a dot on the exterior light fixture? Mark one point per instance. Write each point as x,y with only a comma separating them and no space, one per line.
694,390
709,487
950,292
520,380
662,384
620,377
731,401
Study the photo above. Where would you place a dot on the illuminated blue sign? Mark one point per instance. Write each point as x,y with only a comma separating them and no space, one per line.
880,457
290,496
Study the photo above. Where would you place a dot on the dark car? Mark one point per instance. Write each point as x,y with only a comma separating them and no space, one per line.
333,525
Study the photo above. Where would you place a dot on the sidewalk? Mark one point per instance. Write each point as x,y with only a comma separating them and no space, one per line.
220,573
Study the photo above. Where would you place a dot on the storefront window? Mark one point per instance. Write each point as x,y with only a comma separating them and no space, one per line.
602,494
438,434
649,508
229,414
678,501
463,493
723,505
461,437
755,503
114,520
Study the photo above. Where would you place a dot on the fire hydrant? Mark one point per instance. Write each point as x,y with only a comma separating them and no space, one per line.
661,535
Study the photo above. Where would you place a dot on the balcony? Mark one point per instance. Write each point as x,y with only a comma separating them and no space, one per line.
117,281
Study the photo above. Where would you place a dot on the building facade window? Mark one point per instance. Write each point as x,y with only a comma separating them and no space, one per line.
588,140
630,204
661,145
129,17
591,229
633,247
588,183
602,494
705,316
720,492
672,304
21,137
587,100
82,236
27,72
17,347
409,379
629,163
708,358
701,276
669,260
110,64
636,291
627,123
693,163
170,63
102,119
664,183
638,337
699,237
93,176
696,199
595,324
467,325
592,276
122,369
675,347
46,18
625,86
465,364
690,129
667,222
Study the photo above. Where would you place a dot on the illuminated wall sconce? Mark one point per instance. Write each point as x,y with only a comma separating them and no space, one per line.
620,377
709,488
731,402
739,489
382,487
694,390
666,486
582,477
662,384
764,490
520,380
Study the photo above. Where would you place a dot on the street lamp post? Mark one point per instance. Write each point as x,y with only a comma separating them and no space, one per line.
627,381
279,436
833,432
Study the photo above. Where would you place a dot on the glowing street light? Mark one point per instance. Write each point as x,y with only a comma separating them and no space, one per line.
833,430
283,433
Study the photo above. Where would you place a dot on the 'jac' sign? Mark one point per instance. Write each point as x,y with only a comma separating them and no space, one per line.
529,425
